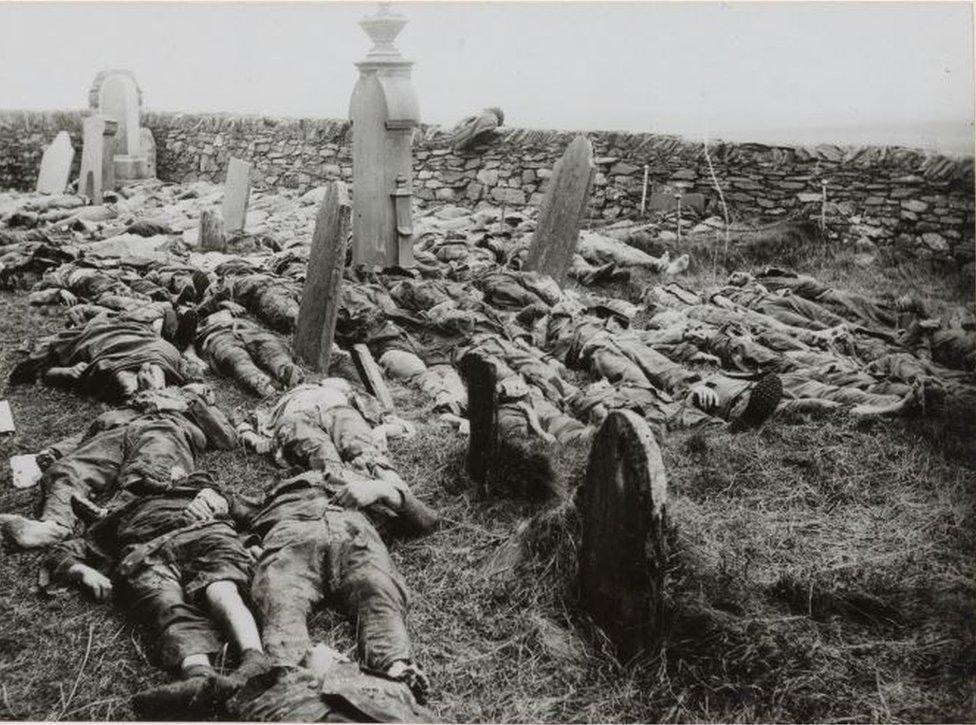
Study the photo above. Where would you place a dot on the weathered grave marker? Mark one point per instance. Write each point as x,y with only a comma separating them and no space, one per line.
320,298
147,147
371,375
97,173
480,377
561,211
237,191
213,236
622,557
56,165
6,418
665,202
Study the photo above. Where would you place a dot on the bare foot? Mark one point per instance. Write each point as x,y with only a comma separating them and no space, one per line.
678,266
31,533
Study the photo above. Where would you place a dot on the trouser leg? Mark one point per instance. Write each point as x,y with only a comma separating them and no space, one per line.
307,444
232,360
370,592
179,628
91,468
272,355
287,585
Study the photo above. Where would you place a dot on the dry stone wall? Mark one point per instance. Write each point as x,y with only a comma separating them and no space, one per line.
921,204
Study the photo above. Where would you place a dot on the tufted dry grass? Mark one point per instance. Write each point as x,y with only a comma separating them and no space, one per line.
820,570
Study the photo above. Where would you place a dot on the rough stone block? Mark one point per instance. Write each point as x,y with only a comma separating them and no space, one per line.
623,552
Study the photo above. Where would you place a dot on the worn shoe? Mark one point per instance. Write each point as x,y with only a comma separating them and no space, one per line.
192,699
410,674
763,401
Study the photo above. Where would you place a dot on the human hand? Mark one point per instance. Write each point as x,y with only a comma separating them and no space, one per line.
363,492
704,397
93,581
207,504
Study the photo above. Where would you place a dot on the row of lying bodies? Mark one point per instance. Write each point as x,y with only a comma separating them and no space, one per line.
696,363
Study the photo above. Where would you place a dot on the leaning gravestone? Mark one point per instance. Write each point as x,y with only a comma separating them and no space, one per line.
56,165
97,173
481,379
320,299
622,557
561,211
237,190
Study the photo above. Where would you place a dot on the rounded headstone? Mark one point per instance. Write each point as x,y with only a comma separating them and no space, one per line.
622,558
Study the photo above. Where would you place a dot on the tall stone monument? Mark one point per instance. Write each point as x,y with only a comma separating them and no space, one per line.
384,113
116,95
97,174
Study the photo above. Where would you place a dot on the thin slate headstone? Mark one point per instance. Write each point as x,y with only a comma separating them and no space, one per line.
237,191
213,237
56,165
315,327
622,557
97,173
118,99
372,376
561,212
480,378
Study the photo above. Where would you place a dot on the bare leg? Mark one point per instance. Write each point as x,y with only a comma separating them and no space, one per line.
228,608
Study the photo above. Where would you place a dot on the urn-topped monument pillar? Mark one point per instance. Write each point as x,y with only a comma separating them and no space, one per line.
384,113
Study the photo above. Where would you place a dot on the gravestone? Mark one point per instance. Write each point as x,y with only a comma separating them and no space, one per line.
97,174
561,211
320,299
118,98
237,191
147,147
665,202
213,237
622,556
481,379
56,165
372,376
384,112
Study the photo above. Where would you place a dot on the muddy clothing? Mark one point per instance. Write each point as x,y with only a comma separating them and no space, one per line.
475,129
106,347
248,353
790,309
319,426
343,693
314,552
273,300
120,447
85,281
853,307
162,559
511,290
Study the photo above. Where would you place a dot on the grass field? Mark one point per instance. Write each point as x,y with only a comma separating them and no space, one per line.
819,570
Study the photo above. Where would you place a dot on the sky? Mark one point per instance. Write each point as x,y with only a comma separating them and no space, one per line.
777,72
